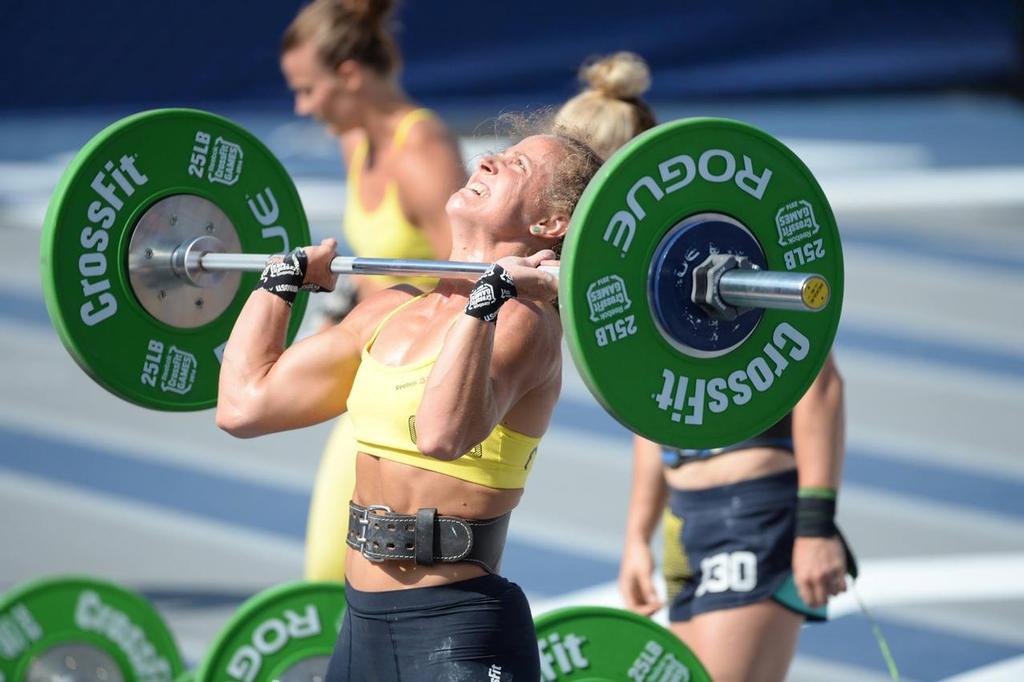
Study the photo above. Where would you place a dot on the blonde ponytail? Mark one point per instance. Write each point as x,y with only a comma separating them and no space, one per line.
610,111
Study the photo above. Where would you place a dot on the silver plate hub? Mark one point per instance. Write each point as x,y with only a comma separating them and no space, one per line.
312,669
73,662
163,257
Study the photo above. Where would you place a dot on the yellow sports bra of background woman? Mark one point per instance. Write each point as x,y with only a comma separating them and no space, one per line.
385,231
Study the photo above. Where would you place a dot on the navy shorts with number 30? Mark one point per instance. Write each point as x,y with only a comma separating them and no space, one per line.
732,545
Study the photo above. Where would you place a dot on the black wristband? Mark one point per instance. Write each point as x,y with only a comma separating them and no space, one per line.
815,517
490,292
286,276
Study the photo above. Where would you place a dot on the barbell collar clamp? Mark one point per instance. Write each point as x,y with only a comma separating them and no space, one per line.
726,286
707,278
186,261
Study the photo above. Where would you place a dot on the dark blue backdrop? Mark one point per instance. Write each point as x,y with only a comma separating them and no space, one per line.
191,52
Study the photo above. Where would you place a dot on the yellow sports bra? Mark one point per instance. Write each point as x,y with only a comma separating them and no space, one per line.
382,406
385,232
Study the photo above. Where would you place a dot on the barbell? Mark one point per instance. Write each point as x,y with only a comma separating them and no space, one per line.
692,262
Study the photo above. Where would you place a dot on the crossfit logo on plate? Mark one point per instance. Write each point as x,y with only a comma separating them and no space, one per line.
269,638
93,615
607,297
179,371
675,173
795,222
18,629
734,389
564,652
92,264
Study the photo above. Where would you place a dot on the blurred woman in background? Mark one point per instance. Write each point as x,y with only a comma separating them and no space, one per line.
341,61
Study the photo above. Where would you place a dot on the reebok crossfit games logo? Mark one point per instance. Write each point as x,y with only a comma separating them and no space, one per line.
482,296
179,371
607,297
795,222
225,162
218,160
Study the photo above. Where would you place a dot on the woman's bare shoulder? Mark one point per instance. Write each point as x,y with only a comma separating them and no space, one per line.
366,316
431,141
529,331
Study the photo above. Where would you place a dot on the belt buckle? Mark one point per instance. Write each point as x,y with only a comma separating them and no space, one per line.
364,522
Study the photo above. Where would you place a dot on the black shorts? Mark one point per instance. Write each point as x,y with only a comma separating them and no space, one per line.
732,545
477,629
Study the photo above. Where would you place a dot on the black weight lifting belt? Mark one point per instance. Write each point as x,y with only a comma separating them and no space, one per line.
379,534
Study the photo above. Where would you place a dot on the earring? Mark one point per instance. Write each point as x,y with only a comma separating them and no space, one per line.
535,229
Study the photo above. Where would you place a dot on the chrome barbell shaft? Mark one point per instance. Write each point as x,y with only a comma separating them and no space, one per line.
773,289
348,265
741,288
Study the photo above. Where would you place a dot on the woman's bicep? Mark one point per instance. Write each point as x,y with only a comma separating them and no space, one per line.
307,384
526,356
316,374
310,381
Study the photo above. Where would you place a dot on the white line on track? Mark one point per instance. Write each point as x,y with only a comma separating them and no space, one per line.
848,193
935,579
883,583
934,188
853,181
1010,670
60,529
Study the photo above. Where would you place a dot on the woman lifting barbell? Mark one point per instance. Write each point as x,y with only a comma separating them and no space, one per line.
341,62
449,399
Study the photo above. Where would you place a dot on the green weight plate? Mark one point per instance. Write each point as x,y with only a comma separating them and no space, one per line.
599,644
286,633
83,630
676,171
135,191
